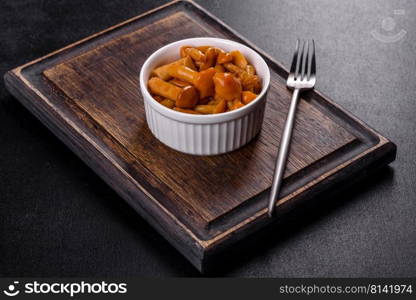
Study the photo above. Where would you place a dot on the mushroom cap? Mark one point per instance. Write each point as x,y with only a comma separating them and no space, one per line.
187,98
227,86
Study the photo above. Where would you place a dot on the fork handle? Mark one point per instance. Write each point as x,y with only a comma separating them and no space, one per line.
283,153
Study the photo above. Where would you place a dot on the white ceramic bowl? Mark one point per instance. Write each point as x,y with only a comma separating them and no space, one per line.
204,134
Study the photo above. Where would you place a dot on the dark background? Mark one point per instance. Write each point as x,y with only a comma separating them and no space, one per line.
57,218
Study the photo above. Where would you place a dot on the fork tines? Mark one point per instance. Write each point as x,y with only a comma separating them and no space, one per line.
303,64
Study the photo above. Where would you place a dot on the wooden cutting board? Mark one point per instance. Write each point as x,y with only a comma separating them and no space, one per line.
88,94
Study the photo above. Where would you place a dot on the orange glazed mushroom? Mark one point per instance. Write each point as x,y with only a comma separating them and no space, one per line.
162,72
201,80
247,97
227,86
186,97
196,54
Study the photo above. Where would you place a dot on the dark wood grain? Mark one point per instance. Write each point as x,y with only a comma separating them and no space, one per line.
88,95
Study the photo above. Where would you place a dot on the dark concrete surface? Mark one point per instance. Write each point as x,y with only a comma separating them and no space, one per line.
57,218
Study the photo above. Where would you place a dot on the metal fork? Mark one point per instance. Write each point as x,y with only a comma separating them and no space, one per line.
302,77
